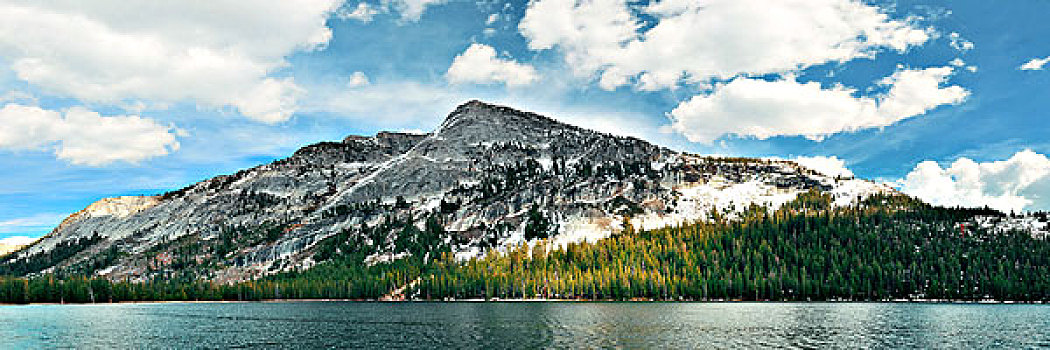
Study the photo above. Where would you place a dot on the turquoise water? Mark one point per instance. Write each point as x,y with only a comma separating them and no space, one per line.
524,325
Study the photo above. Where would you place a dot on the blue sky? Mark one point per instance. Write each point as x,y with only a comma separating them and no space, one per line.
945,100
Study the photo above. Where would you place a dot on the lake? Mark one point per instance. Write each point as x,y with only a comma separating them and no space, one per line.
524,325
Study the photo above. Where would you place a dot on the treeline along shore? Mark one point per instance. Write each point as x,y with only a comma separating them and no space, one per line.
887,247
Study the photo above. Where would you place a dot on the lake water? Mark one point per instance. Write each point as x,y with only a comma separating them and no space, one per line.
524,325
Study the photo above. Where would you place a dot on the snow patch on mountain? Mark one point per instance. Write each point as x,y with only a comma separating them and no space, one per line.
848,192
584,229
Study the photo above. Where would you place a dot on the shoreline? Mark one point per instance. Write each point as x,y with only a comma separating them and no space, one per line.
539,300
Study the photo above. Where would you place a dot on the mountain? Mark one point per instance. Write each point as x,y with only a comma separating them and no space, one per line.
488,177
13,244
7,248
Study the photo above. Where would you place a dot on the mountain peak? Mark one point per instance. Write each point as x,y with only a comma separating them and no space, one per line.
477,176
475,113
476,104
474,107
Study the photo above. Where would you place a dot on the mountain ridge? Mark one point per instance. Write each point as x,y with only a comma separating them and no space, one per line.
485,174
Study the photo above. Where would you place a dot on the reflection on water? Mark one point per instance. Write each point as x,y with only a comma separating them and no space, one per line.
525,325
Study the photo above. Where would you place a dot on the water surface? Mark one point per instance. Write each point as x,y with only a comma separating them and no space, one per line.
524,325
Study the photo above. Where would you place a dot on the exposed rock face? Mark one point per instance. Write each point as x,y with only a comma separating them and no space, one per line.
482,169
98,215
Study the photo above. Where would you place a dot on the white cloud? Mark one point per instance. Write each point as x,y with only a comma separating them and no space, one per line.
957,42
492,19
363,12
764,109
412,10
270,100
958,62
215,53
479,64
914,92
18,96
830,166
409,10
83,137
718,39
358,79
1035,64
1021,182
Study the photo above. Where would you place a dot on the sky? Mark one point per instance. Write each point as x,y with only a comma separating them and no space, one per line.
943,100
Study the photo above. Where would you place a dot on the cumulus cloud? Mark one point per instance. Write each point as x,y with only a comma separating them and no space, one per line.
1021,182
363,12
1035,64
215,53
763,109
18,96
695,41
412,10
830,166
84,137
408,10
358,79
958,62
959,43
479,64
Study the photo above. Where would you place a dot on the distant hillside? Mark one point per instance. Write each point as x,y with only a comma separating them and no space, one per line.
8,248
13,244
884,248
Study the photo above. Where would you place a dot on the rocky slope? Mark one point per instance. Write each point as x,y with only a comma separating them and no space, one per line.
482,175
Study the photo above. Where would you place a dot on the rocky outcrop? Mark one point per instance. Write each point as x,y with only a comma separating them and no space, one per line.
102,212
